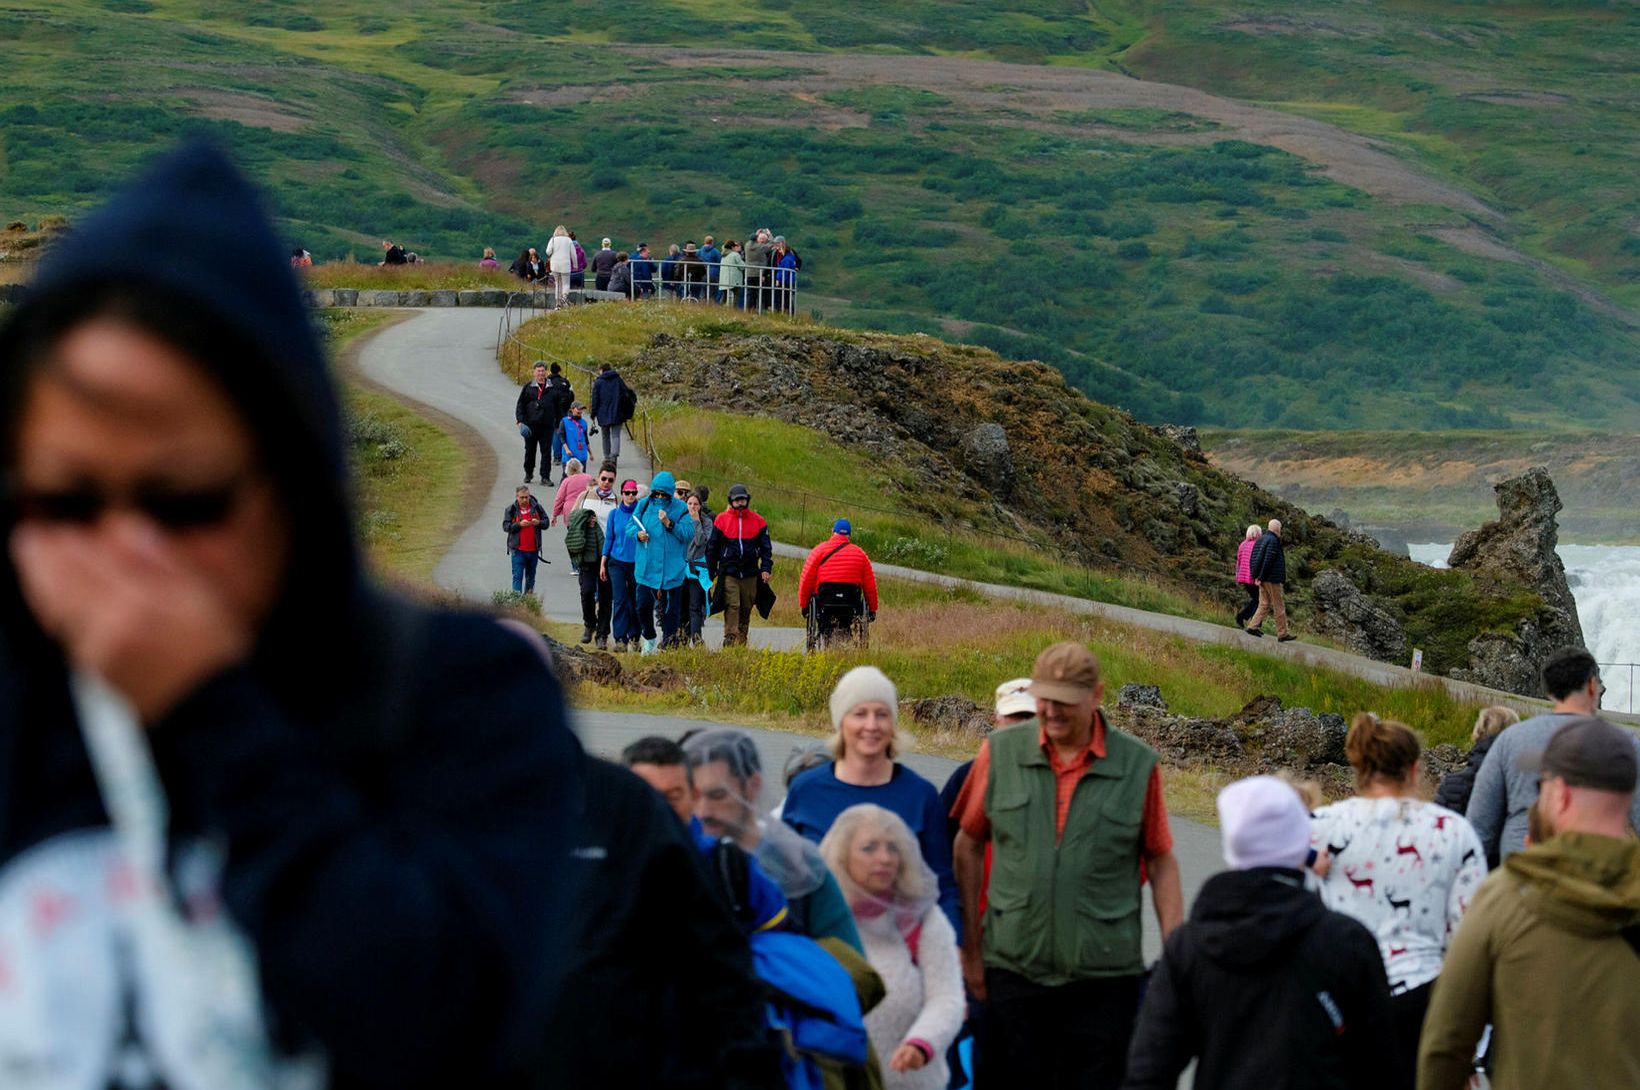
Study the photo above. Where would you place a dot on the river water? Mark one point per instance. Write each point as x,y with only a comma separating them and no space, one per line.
1605,580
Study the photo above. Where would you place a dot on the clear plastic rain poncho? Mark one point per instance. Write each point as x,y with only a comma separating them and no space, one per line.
915,891
792,862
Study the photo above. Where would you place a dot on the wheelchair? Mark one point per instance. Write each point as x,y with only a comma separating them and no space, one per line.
837,614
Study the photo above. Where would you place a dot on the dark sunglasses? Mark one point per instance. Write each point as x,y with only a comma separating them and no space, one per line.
606,480
629,491
684,492
169,508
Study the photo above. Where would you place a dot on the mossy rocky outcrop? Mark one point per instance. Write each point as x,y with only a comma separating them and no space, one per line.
1079,478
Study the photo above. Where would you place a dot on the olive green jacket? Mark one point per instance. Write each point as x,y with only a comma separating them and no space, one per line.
1541,955
1062,908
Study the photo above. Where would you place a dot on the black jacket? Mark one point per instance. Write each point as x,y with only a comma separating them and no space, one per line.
538,407
1268,563
662,980
1456,787
603,262
389,782
1270,989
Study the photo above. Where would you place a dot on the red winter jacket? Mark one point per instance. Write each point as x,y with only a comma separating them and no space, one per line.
849,565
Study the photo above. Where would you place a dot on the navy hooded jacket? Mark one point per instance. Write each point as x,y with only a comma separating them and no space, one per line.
392,784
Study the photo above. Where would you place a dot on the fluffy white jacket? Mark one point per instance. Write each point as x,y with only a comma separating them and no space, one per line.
925,1000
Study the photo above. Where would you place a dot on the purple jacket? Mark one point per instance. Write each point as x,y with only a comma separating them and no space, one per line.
1244,562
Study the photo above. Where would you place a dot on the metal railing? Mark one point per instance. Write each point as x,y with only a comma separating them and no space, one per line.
761,288
1619,681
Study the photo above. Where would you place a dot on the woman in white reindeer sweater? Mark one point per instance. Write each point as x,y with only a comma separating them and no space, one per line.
1404,867
908,940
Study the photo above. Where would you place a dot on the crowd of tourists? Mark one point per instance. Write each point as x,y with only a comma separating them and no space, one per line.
654,561
760,274
268,824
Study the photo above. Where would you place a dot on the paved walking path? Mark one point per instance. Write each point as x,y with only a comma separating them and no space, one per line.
445,358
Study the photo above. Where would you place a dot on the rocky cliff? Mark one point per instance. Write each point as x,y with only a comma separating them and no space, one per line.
1519,548
1076,476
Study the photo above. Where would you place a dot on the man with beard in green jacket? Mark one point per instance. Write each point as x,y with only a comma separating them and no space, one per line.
1549,953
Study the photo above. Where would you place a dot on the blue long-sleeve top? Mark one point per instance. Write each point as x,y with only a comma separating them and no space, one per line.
818,796
617,544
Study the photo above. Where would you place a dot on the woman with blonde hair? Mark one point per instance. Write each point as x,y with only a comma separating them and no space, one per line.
893,894
1405,868
865,767
1456,787
561,262
1244,575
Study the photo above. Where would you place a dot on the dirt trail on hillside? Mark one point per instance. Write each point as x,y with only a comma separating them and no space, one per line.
996,86
1038,97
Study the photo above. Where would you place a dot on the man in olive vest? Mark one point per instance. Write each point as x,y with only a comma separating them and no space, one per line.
1073,811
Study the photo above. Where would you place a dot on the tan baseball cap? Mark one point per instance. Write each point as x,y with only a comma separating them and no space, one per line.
1014,698
1066,673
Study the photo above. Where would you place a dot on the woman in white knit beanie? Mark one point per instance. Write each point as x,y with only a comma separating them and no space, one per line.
908,941
865,769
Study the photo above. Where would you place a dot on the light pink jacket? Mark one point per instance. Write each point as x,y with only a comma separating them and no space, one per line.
1244,562
569,490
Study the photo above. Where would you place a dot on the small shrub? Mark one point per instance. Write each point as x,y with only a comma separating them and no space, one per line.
914,552
510,600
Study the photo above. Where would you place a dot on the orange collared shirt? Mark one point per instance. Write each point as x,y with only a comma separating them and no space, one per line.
1155,837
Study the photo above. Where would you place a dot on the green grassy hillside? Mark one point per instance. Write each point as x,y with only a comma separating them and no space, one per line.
1397,222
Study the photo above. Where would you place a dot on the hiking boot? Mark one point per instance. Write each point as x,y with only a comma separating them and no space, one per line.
603,643
586,634
1286,638
620,647
647,647
1254,632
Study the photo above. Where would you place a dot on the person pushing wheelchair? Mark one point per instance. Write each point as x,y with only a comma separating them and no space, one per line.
837,591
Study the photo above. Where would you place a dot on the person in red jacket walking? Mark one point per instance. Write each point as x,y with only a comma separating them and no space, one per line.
837,591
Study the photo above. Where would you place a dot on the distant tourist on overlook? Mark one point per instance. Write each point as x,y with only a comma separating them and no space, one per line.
603,263
620,275
710,254
529,267
643,273
561,262
392,253
578,271
488,261
732,276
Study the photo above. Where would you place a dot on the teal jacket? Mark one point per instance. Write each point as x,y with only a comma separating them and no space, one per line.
660,560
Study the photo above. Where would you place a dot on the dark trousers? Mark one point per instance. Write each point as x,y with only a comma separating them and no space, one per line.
596,597
1407,1012
1249,607
668,605
1073,1037
601,281
623,590
697,609
538,440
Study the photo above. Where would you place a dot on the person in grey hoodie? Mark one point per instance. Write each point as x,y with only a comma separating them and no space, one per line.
1503,793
